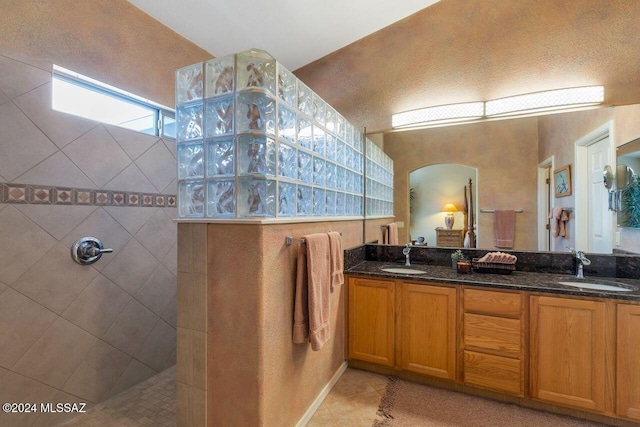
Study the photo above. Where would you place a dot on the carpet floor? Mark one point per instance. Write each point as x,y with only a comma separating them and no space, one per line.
407,404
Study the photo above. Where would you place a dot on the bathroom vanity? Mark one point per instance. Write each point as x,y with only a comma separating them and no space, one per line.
523,337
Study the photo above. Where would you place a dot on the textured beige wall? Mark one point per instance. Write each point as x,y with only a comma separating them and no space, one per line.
108,40
505,154
469,50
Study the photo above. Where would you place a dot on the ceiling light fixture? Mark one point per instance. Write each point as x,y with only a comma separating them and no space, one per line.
518,105
545,101
440,114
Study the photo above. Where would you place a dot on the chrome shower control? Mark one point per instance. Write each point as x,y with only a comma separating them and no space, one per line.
88,250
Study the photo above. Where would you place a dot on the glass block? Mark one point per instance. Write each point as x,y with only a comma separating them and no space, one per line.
340,124
221,198
341,156
304,134
219,116
340,200
220,76
190,161
256,112
189,84
318,202
348,157
191,199
305,206
318,171
350,187
257,197
256,69
319,140
286,199
341,177
256,155
348,133
305,167
358,205
348,202
357,139
330,203
330,147
286,124
305,96
287,161
220,154
286,86
330,124
331,179
189,118
319,110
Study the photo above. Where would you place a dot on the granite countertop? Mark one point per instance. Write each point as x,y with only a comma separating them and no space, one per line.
517,280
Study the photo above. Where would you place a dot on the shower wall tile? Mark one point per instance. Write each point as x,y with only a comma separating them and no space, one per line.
56,280
135,373
132,142
22,144
56,354
132,219
170,261
3,288
98,373
158,234
61,128
90,151
3,98
158,346
48,419
18,78
170,313
159,165
56,170
158,291
98,306
130,329
131,179
18,388
17,251
57,220
22,322
131,267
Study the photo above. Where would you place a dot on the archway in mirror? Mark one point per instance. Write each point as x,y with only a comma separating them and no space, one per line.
431,189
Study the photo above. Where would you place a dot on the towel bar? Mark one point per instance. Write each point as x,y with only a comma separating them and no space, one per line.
290,240
493,210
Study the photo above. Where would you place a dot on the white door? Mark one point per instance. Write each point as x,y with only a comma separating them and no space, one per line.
600,218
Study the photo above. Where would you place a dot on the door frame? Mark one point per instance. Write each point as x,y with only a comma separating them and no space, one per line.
582,178
543,215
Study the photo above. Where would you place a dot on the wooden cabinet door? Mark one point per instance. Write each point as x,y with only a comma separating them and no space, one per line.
371,320
628,346
568,352
428,330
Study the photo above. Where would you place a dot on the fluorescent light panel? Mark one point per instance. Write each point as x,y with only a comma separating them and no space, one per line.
439,114
545,101
513,105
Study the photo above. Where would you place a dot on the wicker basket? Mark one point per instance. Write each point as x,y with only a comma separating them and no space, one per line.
492,267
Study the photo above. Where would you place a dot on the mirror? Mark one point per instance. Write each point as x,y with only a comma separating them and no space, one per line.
628,195
508,155
625,176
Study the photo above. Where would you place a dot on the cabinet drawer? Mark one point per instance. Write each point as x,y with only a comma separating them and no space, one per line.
492,302
497,335
493,372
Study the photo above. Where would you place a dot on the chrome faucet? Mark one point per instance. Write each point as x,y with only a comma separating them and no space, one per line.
581,261
405,252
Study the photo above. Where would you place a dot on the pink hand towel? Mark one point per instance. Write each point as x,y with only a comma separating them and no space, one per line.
301,300
393,233
337,259
318,288
504,228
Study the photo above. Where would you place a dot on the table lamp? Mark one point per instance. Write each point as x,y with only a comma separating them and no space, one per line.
449,208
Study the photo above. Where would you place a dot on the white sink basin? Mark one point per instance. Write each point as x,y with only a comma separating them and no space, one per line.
402,270
600,286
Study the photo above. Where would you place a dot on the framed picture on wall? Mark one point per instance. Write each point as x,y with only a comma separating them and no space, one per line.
562,181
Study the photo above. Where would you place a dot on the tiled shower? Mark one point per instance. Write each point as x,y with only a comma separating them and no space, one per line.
72,333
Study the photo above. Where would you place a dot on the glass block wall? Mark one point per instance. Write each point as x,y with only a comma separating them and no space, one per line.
379,174
255,142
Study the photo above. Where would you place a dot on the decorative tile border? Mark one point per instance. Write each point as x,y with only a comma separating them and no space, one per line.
47,195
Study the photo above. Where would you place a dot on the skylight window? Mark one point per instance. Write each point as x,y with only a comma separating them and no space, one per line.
82,96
